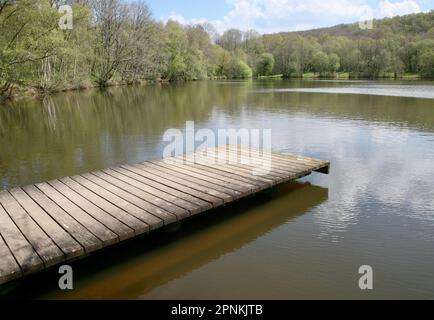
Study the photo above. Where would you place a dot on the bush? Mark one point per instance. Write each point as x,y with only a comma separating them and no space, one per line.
238,69
265,64
427,63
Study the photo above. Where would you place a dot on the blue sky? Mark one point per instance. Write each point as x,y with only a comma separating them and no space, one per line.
281,15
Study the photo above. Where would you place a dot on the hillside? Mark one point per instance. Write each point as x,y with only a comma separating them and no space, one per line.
413,24
393,48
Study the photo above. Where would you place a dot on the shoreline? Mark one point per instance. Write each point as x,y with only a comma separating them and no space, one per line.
32,93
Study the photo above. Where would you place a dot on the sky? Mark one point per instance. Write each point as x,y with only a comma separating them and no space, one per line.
270,16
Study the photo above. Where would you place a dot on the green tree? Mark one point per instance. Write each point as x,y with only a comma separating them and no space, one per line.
111,47
29,39
139,36
265,64
231,40
334,63
238,69
320,62
177,47
426,63
354,62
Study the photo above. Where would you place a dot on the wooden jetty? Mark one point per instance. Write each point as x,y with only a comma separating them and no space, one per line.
55,222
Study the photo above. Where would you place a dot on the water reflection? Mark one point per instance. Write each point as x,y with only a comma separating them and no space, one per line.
79,132
133,270
381,197
419,91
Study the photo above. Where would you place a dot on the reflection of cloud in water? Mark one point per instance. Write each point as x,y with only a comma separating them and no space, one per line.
420,91
376,168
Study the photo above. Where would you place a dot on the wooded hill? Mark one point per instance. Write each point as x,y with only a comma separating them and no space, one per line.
414,24
115,41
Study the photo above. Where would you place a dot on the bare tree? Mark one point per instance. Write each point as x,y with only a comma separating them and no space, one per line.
231,40
112,47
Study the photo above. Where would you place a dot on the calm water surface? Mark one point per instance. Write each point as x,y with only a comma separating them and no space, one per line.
303,240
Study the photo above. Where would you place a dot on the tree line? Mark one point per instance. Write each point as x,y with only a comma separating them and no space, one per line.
115,41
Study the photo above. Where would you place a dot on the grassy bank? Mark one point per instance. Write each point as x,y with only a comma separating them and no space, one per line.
349,76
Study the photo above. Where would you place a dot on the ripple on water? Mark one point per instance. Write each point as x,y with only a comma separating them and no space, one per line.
407,91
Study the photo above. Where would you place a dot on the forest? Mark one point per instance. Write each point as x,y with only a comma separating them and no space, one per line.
119,42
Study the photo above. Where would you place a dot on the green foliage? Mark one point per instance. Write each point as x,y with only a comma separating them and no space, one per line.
265,64
237,69
29,37
427,63
119,41
177,47
320,62
243,71
394,46
231,40
334,63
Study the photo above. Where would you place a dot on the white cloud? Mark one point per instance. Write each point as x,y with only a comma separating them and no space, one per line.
391,9
281,15
182,20
269,16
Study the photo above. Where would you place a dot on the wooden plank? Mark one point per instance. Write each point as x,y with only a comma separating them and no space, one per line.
300,158
133,196
149,167
244,189
68,245
297,160
202,180
279,168
236,162
160,166
9,268
214,201
301,164
260,185
43,245
204,205
83,236
99,230
256,185
283,178
116,196
235,154
54,221
111,172
244,172
22,250
148,195
275,169
139,220
214,160
140,182
122,230
296,164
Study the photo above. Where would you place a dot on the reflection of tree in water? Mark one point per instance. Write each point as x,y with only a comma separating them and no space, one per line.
384,110
50,114
94,129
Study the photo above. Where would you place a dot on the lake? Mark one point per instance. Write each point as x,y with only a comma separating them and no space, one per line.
302,240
